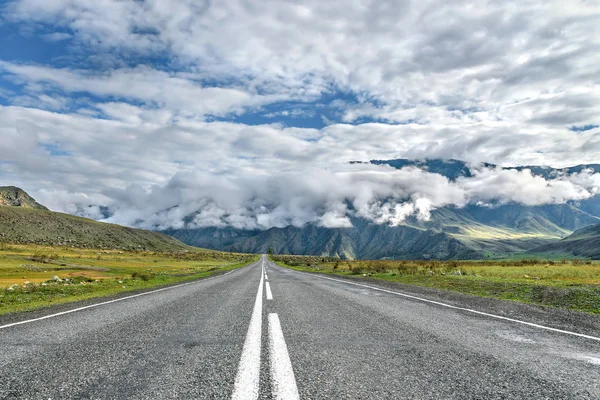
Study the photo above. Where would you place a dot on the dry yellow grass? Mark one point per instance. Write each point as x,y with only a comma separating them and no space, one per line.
35,276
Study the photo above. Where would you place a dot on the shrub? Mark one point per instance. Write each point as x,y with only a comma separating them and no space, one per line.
406,269
141,275
356,269
42,257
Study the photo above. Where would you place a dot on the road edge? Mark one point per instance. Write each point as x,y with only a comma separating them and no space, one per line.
556,318
45,311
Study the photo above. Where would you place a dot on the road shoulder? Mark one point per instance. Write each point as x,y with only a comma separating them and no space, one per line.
569,320
15,317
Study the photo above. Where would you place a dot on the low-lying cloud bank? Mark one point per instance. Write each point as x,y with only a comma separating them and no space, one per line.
328,198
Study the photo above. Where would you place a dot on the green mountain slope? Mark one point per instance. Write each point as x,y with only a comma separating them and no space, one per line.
37,226
471,232
584,242
554,220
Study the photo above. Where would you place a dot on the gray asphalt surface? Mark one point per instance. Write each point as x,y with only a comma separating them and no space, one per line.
344,342
179,343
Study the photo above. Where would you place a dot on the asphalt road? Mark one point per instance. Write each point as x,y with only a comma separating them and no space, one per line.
267,332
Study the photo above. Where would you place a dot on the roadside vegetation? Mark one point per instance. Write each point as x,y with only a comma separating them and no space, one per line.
572,284
33,276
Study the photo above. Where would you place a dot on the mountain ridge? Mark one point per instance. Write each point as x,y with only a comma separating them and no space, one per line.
584,242
469,232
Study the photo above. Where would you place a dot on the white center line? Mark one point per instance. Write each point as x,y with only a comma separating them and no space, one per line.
266,277
248,375
282,374
269,294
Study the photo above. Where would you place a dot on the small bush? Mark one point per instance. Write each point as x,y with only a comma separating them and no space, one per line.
357,269
42,257
141,275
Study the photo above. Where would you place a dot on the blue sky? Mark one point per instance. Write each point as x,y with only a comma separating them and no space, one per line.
25,45
59,48
160,110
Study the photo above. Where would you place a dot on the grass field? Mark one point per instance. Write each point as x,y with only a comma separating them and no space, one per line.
34,276
572,284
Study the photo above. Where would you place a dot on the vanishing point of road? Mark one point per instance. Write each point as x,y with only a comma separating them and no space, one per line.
265,332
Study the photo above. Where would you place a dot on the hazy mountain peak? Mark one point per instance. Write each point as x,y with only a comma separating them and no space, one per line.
453,169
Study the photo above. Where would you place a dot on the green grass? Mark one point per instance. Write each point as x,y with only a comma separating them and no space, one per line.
571,284
27,272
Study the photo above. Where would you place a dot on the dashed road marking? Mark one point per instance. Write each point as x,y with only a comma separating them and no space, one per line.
282,374
269,294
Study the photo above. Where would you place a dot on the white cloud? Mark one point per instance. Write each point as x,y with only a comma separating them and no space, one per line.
20,137
41,101
56,36
153,87
522,187
72,203
331,197
130,114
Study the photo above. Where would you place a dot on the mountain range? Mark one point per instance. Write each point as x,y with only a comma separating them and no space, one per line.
472,232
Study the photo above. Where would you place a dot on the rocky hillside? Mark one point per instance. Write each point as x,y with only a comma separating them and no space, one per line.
23,220
15,197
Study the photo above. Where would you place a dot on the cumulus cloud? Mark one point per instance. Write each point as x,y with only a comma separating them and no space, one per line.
56,36
73,203
331,198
